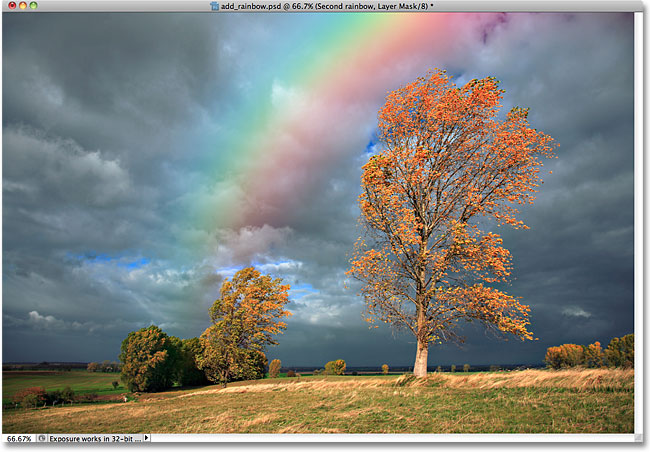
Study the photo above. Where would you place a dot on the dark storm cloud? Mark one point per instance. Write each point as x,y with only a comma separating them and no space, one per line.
575,266
105,126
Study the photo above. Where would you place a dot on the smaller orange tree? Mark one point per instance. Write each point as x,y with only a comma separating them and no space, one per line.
594,355
244,321
274,368
336,367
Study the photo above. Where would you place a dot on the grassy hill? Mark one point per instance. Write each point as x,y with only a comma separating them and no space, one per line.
530,401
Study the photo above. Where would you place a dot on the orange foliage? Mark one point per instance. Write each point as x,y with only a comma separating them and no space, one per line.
447,161
245,319
594,355
250,307
566,355
572,355
336,367
274,368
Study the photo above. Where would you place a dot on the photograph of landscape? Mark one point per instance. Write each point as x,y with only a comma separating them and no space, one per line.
331,223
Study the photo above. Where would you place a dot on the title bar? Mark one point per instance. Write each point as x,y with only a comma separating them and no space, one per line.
37,6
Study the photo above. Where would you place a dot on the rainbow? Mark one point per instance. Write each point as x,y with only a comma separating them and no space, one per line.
330,77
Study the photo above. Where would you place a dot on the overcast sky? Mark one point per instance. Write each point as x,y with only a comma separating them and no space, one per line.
147,157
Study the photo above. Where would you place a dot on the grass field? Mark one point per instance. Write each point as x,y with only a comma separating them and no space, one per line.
531,401
80,381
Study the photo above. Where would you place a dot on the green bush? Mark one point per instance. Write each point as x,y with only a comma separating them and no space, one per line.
31,397
115,384
453,367
54,397
336,367
188,372
32,401
150,360
67,395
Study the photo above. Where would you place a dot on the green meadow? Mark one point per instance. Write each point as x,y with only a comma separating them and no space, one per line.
81,382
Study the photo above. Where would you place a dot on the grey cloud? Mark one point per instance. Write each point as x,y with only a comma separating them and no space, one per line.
38,321
55,169
575,311
107,64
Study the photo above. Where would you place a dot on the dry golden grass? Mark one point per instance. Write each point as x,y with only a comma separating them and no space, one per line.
581,379
293,385
532,401
615,379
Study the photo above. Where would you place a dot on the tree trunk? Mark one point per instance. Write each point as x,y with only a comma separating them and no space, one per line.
421,359
422,354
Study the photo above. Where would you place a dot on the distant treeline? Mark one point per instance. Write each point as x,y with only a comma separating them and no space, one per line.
306,370
105,366
60,366
619,353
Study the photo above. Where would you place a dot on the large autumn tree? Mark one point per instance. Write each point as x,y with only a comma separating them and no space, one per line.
244,320
448,166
